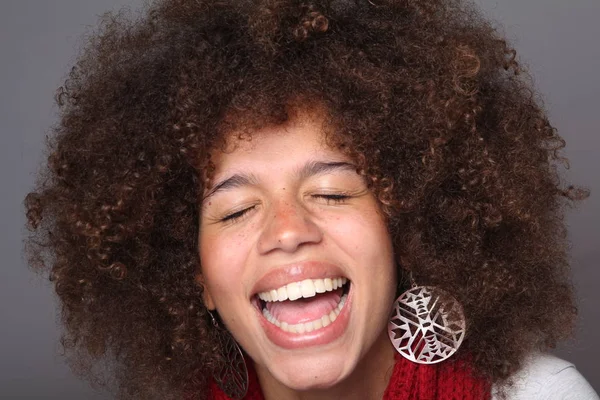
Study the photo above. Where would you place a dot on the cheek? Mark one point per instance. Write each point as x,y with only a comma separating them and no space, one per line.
366,239
365,233
222,256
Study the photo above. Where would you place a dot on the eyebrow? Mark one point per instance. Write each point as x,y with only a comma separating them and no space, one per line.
310,169
313,168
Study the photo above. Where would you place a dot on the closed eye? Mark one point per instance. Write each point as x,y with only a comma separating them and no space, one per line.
332,198
233,217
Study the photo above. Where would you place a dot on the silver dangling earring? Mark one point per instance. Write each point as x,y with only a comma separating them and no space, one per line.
232,377
427,325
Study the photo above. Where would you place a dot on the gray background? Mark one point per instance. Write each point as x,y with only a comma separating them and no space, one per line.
558,39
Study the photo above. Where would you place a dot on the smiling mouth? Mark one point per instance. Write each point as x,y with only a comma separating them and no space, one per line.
304,306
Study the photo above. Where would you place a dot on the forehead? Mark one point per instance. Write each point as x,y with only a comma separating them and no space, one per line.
275,147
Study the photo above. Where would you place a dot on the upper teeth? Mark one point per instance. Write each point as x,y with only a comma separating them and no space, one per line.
306,288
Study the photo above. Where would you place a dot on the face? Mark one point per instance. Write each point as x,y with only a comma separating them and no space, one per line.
296,257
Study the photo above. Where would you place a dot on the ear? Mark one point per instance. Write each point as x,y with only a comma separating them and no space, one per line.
206,297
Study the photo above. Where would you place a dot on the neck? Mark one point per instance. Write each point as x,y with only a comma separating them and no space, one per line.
368,381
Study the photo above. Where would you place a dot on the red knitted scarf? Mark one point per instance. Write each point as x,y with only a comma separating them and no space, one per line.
409,381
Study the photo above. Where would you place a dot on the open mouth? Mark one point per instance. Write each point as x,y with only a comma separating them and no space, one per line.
304,306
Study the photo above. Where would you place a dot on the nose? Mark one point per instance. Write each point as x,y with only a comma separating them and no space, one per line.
288,226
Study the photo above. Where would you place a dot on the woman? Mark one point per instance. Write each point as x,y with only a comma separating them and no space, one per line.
285,175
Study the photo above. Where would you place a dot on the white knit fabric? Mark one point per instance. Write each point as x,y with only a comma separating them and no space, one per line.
545,377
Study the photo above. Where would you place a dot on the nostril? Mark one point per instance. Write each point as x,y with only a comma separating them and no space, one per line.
287,230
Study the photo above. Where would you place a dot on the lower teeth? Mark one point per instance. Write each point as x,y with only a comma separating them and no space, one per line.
307,326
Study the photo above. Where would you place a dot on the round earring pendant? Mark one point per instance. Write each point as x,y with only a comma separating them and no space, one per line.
427,325
233,376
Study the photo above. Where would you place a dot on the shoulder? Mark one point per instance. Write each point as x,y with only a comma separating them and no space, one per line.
544,376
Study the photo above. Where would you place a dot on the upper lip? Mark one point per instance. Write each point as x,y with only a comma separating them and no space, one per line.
296,272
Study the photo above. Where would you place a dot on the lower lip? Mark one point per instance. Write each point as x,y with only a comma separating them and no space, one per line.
318,337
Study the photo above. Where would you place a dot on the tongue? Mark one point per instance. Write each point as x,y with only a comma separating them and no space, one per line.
305,310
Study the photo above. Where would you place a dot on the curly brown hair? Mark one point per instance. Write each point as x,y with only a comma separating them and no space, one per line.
424,95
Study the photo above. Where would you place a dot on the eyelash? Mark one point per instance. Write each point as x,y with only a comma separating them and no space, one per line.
332,198
236,215
329,199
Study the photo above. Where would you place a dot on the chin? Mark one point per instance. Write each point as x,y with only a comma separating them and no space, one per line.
312,372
